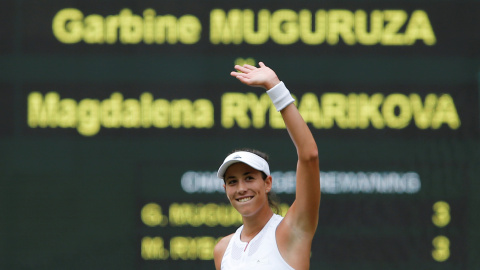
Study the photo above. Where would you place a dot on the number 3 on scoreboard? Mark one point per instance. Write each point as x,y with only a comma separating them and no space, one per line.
441,216
441,248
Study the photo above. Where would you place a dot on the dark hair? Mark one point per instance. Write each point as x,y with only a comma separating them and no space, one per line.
273,200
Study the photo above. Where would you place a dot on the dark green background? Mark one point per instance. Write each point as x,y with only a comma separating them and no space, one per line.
73,202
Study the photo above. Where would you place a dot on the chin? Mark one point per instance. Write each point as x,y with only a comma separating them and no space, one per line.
248,211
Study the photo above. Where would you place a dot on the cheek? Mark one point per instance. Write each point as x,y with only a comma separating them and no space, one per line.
229,192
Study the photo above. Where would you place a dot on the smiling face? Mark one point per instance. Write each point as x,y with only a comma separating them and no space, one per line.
246,189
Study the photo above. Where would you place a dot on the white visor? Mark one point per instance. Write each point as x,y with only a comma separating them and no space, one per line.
248,158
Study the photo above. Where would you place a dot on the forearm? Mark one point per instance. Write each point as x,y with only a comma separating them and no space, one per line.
299,133
296,126
308,171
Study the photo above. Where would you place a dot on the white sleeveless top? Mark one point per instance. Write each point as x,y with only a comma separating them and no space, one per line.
260,253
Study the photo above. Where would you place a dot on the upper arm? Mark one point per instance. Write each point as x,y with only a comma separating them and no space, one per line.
219,250
307,201
295,233
301,219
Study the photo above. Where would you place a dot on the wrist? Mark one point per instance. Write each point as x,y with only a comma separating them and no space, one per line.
280,96
272,83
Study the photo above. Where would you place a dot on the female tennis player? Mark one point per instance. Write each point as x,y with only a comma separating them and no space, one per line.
266,240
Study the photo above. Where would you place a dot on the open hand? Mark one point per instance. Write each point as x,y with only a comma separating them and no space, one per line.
259,77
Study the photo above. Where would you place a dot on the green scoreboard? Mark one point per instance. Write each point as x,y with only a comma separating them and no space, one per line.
115,116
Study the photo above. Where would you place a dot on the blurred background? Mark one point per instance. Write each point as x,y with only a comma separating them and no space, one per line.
115,116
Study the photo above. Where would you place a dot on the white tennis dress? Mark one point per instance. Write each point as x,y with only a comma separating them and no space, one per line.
260,253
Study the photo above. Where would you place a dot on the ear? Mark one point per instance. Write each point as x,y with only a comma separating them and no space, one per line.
268,183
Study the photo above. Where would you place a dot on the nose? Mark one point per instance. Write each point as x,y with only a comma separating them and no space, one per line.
242,187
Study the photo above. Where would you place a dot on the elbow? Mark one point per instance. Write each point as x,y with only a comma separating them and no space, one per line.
309,155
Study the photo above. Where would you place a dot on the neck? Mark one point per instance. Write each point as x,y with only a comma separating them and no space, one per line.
252,225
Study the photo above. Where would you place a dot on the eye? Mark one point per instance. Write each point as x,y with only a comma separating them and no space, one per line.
249,178
231,182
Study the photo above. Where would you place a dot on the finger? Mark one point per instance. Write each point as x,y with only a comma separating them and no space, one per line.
243,79
239,75
242,69
261,64
236,74
249,67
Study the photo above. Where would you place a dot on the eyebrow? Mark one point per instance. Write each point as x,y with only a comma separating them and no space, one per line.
244,174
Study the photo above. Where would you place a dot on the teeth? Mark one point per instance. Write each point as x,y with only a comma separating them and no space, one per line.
245,199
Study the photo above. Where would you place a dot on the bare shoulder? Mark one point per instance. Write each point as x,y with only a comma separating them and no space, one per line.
221,246
219,250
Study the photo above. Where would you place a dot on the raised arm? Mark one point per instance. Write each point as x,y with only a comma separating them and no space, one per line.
303,214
